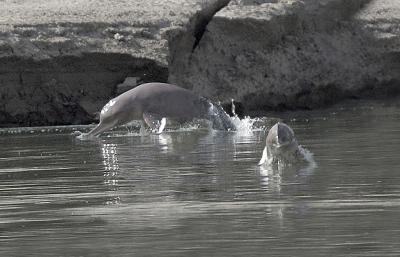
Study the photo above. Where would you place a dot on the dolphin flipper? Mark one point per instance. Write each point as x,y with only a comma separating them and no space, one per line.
264,156
156,123
163,122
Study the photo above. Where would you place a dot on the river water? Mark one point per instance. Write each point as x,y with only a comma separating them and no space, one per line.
196,192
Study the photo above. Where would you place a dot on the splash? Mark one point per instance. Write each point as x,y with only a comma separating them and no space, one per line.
247,125
308,157
44,130
190,126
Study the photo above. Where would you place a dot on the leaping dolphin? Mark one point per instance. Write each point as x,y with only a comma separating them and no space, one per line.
280,145
153,103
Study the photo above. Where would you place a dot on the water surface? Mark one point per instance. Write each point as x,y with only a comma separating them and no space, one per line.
196,192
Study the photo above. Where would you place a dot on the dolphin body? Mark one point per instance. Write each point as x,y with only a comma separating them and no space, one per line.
281,145
153,102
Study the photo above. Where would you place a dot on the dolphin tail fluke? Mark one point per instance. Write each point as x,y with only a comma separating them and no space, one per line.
221,119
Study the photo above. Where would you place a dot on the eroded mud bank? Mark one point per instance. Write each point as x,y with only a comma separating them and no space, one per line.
61,67
66,89
296,54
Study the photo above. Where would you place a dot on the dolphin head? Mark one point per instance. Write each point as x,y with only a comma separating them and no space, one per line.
281,140
280,135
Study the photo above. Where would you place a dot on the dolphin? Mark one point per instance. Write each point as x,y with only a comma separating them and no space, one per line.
281,145
152,103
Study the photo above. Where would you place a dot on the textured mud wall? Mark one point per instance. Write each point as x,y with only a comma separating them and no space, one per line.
61,61
65,89
289,54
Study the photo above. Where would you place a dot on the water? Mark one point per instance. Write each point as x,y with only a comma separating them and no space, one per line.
195,192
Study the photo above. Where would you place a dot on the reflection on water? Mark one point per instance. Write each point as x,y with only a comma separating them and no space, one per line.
192,191
271,174
111,168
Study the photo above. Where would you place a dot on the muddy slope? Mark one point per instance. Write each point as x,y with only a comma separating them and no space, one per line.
60,62
61,65
288,54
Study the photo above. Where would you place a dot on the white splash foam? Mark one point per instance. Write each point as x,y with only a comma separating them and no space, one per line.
245,125
189,126
308,156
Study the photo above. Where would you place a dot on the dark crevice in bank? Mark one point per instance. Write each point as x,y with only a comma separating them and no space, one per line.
184,41
204,18
66,89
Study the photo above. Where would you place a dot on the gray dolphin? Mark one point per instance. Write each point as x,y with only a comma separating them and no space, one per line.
153,102
280,145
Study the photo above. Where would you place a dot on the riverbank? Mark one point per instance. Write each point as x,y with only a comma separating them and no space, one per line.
60,62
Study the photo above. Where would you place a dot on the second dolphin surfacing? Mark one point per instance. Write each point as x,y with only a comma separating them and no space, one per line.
153,102
281,145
